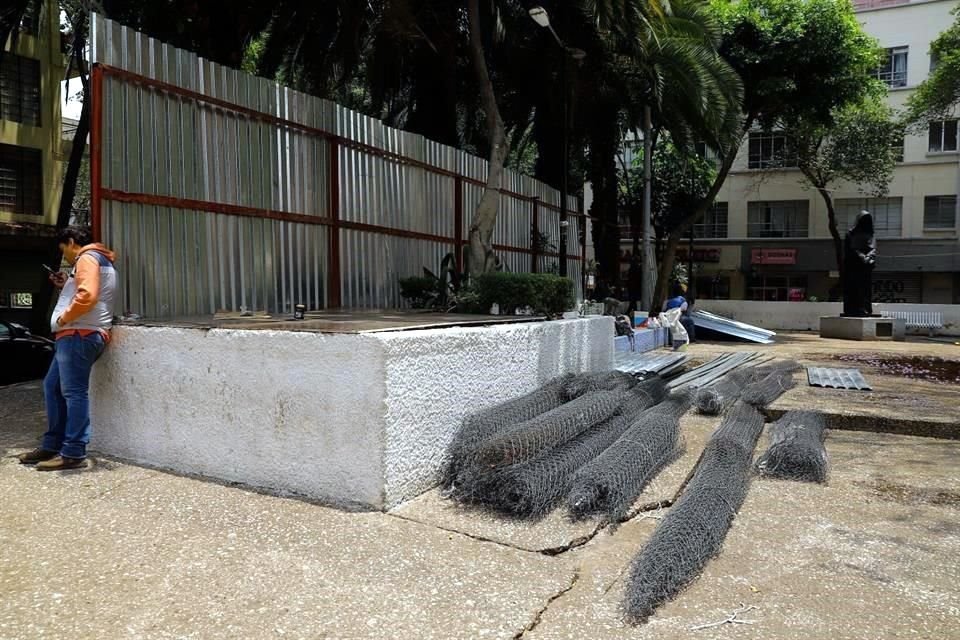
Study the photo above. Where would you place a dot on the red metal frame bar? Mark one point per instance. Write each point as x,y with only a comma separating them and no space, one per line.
458,239
334,291
96,144
138,79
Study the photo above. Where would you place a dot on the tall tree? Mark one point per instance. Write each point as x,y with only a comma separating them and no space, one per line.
857,147
938,96
482,257
800,60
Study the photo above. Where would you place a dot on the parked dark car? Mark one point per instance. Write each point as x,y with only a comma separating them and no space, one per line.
23,356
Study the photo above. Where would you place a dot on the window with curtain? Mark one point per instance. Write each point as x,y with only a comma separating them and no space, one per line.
887,214
778,219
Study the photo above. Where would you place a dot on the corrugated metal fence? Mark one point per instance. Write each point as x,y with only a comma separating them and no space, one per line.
224,191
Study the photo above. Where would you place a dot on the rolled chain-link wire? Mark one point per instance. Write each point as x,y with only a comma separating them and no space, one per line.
485,424
602,381
716,398
534,488
796,450
773,385
529,439
695,527
611,483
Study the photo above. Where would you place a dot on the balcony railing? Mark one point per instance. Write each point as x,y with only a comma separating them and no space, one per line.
863,5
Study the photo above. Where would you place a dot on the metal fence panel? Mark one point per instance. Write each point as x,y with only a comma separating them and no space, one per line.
218,190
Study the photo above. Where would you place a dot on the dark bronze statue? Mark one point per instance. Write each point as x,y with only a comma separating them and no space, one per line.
859,260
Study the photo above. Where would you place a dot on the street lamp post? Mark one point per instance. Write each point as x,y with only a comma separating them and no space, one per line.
542,18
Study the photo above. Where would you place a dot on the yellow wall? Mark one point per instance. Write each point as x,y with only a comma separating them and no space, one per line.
46,48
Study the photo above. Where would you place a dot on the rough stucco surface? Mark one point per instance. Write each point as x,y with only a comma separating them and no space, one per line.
341,418
271,409
436,377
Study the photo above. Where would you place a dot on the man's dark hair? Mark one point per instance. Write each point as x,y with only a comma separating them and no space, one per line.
677,290
80,235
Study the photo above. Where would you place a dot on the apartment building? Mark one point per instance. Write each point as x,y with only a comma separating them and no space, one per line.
32,156
767,237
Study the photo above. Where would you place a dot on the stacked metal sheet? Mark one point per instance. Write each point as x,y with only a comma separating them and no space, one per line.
837,378
664,364
713,370
713,322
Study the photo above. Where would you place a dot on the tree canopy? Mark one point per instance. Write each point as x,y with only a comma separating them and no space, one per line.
937,97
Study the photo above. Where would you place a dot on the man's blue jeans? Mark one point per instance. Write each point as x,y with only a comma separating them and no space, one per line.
66,391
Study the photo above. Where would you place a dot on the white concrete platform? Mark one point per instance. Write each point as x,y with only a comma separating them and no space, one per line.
360,419
873,328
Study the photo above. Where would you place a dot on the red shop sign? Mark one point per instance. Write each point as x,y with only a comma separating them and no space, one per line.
773,256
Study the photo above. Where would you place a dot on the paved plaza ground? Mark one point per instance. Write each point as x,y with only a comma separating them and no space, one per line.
120,551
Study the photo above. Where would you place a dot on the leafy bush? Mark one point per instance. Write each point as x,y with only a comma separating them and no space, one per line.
420,291
545,293
434,291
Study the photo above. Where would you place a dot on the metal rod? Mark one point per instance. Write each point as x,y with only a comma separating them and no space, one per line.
96,150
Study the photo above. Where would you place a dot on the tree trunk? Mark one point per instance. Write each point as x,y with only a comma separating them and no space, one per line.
604,141
676,234
482,258
834,230
41,306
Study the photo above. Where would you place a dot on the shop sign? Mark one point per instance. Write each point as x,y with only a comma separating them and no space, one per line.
700,254
773,256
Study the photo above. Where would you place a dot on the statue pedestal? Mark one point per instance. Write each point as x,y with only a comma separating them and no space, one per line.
873,328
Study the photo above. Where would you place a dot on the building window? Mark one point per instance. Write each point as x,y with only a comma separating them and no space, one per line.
943,136
20,180
770,150
777,219
20,89
777,288
708,153
896,145
713,287
30,23
940,212
714,224
893,70
887,214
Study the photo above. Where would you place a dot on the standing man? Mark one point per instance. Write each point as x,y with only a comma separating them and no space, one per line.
81,325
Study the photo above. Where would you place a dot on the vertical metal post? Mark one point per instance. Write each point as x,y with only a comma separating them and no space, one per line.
691,282
458,222
565,188
649,264
535,238
334,296
96,146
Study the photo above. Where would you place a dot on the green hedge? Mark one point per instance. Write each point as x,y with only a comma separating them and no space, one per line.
545,293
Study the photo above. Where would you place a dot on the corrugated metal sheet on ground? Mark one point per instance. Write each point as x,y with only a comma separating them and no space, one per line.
713,322
837,378
713,370
648,362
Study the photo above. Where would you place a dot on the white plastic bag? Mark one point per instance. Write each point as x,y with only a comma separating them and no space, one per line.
671,320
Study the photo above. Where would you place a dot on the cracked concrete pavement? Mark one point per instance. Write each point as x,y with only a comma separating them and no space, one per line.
121,551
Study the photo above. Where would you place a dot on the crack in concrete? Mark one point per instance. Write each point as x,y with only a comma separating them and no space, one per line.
538,617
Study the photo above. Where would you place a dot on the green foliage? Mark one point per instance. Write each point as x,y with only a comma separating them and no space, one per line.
545,294
856,147
681,179
437,291
800,59
938,95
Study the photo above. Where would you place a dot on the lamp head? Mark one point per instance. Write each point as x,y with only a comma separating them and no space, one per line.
540,16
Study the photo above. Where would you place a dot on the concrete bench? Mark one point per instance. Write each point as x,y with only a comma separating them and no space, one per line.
930,320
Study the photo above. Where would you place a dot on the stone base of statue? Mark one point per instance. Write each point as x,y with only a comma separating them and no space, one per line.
872,328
